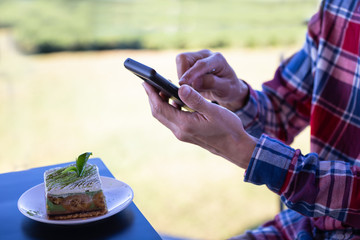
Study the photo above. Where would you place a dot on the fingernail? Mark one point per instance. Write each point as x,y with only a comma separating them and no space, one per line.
185,90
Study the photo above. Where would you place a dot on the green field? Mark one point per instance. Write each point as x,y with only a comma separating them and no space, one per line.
45,26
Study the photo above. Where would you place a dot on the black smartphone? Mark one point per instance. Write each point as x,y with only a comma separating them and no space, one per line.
150,76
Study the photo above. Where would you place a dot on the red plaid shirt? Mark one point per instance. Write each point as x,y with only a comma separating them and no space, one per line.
320,86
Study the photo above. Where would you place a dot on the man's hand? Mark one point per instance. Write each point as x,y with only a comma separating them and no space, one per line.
211,126
211,75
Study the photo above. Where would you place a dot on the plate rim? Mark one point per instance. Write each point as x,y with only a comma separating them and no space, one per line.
114,211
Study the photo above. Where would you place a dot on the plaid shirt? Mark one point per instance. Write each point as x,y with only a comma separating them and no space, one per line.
320,86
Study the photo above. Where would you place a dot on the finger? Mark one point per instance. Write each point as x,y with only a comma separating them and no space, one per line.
160,108
193,99
214,64
186,60
164,96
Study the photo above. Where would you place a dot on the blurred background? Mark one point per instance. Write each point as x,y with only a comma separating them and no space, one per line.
64,91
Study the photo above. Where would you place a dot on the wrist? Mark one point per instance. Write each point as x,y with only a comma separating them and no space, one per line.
244,150
249,148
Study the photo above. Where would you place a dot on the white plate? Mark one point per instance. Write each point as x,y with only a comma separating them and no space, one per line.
118,196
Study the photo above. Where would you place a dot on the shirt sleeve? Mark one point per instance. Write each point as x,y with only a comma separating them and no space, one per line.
306,184
282,108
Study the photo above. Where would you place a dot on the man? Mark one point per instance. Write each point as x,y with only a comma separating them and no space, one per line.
320,86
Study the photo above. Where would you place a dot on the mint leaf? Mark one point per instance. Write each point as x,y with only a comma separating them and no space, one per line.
69,169
81,162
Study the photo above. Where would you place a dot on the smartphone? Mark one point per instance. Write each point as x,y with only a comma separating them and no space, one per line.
150,76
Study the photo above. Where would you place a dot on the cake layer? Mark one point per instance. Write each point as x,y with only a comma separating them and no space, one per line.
75,203
62,184
78,215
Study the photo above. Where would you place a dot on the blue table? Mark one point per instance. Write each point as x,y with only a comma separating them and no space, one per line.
128,224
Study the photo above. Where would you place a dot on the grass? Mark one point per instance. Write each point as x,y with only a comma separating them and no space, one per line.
154,24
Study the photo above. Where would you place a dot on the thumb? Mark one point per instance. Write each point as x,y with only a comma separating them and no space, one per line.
193,99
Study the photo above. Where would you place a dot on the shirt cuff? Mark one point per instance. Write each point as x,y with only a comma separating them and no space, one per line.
269,163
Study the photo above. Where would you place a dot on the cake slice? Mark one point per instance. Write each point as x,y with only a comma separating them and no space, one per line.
74,193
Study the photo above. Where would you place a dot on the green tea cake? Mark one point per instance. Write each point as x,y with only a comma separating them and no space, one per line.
74,193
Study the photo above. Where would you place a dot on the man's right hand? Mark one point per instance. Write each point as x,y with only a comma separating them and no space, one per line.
211,75
210,126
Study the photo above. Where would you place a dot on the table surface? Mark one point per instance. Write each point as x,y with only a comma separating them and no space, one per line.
128,224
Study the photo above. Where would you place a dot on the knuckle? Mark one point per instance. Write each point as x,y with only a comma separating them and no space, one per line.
219,55
180,58
202,63
182,134
206,52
